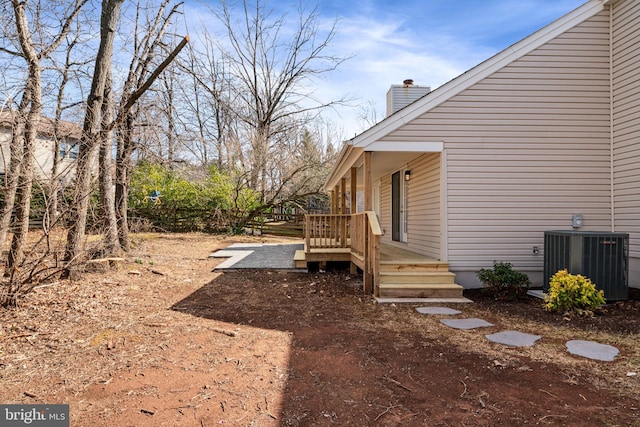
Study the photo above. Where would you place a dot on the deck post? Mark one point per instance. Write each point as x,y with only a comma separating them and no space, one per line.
354,190
307,232
333,201
353,269
343,196
367,279
375,264
368,196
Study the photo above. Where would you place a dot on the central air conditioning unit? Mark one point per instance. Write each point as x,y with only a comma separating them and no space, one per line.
600,256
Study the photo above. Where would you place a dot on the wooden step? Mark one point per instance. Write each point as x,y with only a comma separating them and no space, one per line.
412,290
414,266
417,277
299,259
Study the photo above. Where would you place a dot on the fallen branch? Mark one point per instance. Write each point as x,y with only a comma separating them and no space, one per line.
115,259
399,384
29,334
465,388
550,416
389,408
481,402
46,285
227,333
550,394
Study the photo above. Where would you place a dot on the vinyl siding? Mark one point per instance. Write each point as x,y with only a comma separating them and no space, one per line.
43,162
385,208
424,205
626,127
526,148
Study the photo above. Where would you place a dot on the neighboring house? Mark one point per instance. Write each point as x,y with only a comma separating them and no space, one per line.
68,135
477,170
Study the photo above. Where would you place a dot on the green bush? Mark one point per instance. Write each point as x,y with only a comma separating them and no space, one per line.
573,293
503,282
156,189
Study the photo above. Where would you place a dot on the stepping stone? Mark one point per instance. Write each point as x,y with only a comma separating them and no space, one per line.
471,323
437,310
514,338
592,350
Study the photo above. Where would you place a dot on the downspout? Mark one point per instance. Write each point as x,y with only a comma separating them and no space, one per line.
611,121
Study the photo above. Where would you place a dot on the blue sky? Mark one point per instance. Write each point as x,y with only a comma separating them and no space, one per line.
429,41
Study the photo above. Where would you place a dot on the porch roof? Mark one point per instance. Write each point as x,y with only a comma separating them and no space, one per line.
395,153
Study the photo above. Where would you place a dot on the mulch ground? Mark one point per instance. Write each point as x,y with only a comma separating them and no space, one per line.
165,341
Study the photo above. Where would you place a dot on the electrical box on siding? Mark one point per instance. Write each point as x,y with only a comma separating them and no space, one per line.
600,256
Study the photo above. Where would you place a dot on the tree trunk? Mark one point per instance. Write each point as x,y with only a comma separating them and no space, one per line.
90,134
123,167
33,90
25,184
15,166
107,197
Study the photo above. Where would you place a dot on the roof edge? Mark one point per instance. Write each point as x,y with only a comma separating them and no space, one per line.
347,157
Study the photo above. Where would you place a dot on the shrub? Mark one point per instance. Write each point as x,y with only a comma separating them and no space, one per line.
573,293
503,282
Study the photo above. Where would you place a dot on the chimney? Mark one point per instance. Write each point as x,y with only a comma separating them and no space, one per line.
399,96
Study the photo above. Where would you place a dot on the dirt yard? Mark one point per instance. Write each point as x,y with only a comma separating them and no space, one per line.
164,341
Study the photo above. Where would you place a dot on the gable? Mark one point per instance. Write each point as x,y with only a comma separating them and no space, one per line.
477,74
560,88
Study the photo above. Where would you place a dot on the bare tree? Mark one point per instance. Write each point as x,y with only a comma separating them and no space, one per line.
270,68
32,100
140,77
70,69
210,101
25,131
107,195
90,140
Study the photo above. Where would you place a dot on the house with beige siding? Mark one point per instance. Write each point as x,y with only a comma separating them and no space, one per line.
59,139
476,171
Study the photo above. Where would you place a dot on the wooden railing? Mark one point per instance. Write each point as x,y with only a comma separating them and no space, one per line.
365,241
359,232
327,231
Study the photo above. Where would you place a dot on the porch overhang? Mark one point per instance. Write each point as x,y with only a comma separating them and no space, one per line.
395,152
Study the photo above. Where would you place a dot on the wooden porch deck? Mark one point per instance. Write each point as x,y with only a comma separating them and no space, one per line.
402,273
389,254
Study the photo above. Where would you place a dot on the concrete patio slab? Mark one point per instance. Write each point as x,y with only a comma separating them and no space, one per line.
268,256
514,338
234,257
592,350
471,323
437,310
